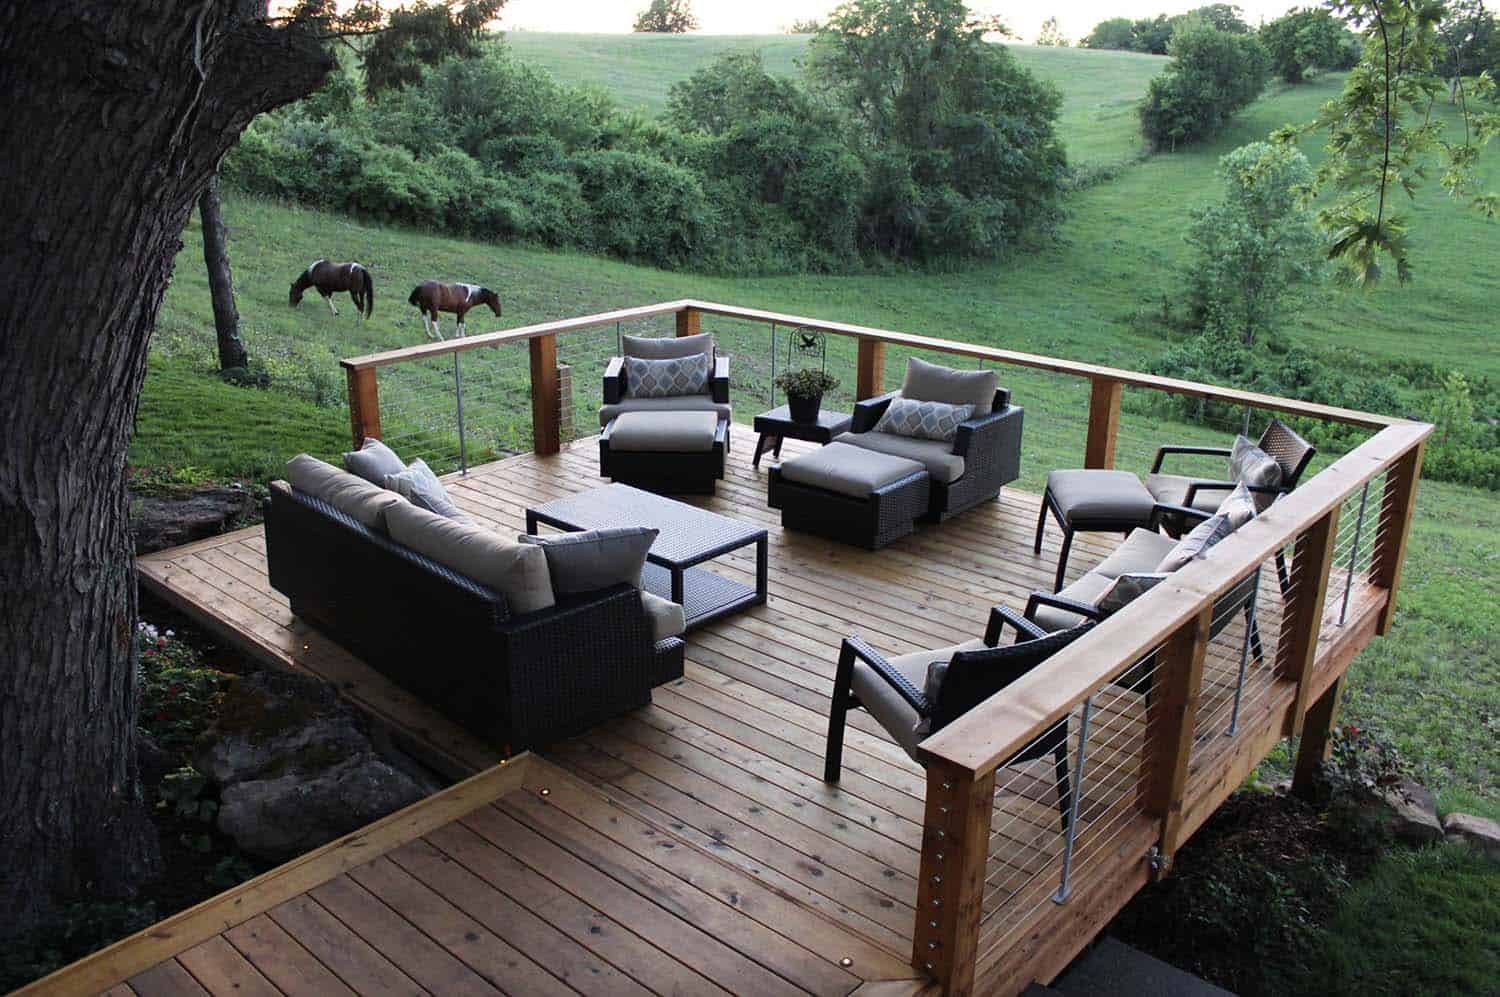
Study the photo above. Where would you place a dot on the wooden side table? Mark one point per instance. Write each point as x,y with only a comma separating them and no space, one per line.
777,425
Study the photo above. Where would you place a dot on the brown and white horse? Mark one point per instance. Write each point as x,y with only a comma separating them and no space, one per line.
431,297
330,277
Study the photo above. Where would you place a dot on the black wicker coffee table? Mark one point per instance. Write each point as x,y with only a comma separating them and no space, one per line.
689,536
778,425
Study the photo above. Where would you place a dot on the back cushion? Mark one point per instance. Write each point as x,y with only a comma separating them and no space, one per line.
516,571
666,378
666,347
353,496
930,382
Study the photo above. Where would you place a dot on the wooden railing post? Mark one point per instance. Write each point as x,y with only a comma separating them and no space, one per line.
545,422
364,404
870,380
950,891
1394,529
1317,739
1104,423
1172,713
689,322
1302,619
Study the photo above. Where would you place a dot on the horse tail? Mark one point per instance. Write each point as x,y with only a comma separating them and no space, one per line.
369,285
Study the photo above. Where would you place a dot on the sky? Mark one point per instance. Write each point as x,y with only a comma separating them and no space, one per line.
760,17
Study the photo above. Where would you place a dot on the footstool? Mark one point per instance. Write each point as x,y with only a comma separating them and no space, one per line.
1092,501
850,494
677,453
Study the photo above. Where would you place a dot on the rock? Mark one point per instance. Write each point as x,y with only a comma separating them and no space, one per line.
1477,832
161,521
278,818
1411,813
272,723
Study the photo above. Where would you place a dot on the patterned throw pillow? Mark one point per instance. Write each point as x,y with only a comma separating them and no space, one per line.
1238,505
666,378
923,420
419,486
1252,465
1128,588
1196,544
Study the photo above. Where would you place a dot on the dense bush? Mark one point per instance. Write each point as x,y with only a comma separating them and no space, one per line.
1308,39
1212,75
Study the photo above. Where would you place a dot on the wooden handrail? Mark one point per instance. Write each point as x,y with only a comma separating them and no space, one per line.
982,738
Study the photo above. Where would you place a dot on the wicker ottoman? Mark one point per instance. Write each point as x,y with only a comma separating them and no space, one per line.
850,494
676,453
1093,501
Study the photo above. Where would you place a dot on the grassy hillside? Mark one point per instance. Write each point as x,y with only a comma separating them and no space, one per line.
1100,88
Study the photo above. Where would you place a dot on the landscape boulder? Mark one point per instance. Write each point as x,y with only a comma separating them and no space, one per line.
1479,833
1411,813
161,521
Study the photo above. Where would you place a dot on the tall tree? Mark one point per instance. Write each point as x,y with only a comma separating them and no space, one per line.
220,280
424,34
1115,33
1051,34
666,17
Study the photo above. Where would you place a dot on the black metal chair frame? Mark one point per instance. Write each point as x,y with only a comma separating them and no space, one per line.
1053,742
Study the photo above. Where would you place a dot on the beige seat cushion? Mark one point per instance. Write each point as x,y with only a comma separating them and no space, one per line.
667,619
1087,589
885,703
848,470
516,571
1099,496
664,432
674,403
666,347
1173,488
930,382
1142,551
941,462
348,493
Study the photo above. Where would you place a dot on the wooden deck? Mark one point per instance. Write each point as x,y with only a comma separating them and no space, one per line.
692,845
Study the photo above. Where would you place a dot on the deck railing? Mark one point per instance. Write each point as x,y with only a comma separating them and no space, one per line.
1160,712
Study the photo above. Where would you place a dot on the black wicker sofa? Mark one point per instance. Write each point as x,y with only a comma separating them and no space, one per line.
516,680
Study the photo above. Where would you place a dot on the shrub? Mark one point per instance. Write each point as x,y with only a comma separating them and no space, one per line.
1308,39
1212,75
642,208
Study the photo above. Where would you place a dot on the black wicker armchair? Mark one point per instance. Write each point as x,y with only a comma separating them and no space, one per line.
617,396
517,681
895,691
989,447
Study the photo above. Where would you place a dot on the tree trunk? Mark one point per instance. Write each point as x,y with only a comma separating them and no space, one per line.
119,112
220,280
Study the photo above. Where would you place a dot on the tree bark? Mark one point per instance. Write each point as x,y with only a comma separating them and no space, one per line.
220,280
119,112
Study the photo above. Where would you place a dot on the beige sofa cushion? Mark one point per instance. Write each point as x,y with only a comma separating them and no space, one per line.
930,382
667,619
885,703
666,347
355,497
941,462
516,571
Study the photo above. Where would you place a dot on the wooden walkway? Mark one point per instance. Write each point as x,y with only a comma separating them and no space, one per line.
690,846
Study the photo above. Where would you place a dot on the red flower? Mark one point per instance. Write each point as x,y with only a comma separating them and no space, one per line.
160,716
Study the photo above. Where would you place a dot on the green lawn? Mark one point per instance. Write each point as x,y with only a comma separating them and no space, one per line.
1434,684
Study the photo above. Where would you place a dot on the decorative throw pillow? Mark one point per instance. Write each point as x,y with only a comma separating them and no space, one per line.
1197,543
594,559
373,461
930,382
1252,465
419,486
666,378
666,347
1239,506
1128,588
516,571
356,498
923,420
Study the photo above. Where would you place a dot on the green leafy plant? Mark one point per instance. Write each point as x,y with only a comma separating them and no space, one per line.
806,383
181,793
177,692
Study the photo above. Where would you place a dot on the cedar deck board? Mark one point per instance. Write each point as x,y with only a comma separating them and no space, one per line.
727,761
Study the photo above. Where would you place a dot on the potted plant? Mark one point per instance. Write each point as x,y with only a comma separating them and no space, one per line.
804,391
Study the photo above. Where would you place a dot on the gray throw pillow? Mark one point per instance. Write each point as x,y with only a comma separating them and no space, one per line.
1239,506
930,382
1252,465
516,571
666,347
373,461
594,559
923,420
1196,544
666,378
1128,588
419,486
353,496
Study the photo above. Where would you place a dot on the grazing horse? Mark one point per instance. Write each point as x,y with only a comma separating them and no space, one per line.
330,277
431,297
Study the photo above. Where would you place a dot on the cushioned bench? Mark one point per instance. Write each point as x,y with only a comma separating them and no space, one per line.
673,452
850,494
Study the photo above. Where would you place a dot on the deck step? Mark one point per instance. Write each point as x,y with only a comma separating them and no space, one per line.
1114,969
